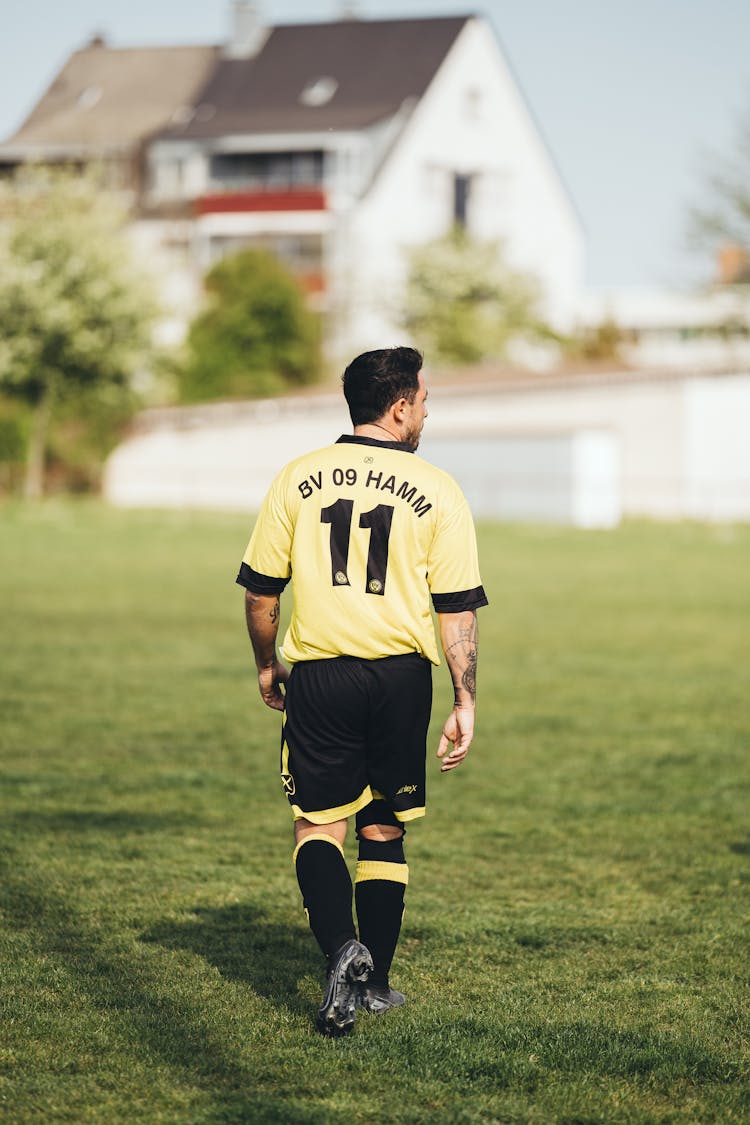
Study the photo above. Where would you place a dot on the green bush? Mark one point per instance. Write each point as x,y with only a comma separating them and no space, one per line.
598,343
84,432
11,440
13,427
465,303
256,336
76,313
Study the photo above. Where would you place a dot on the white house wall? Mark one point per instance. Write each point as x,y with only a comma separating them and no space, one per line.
519,198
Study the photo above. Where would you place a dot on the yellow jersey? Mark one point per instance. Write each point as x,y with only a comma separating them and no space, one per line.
367,532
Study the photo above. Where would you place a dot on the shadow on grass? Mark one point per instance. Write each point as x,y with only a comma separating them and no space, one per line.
121,822
245,946
160,1022
163,1021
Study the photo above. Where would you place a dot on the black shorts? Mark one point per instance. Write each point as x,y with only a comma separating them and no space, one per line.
354,731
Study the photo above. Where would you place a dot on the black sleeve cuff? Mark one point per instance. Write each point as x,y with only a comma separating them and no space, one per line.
259,583
461,601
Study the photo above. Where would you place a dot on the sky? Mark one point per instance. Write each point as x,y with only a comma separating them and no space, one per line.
634,98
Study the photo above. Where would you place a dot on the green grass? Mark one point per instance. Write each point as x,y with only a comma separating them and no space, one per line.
575,947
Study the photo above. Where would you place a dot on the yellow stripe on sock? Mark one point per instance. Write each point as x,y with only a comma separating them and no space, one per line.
378,869
316,836
409,814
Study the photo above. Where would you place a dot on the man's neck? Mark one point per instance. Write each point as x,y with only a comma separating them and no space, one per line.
376,430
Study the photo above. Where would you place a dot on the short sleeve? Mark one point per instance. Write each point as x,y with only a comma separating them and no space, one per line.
266,564
453,562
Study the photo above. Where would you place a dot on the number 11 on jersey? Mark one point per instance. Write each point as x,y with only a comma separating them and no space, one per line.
378,520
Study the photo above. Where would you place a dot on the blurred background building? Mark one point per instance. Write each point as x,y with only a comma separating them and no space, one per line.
339,147
335,145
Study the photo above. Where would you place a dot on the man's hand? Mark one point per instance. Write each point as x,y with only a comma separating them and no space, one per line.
269,684
458,730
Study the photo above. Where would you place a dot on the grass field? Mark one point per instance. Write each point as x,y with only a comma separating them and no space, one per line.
575,947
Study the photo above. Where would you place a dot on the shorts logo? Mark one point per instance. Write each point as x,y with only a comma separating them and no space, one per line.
408,789
375,586
341,578
289,786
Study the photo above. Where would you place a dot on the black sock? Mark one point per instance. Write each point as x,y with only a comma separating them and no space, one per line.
382,875
326,887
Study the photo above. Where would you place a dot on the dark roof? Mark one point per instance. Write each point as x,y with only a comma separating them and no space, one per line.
377,65
105,97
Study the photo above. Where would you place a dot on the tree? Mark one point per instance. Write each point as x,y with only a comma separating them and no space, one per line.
725,223
466,304
75,317
255,337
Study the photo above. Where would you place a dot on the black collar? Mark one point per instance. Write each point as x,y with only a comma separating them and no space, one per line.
358,439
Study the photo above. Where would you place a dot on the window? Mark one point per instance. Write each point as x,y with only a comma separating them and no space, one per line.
278,171
319,92
301,253
89,97
461,193
473,104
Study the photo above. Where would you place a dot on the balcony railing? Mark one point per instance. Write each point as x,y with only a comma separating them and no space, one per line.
302,199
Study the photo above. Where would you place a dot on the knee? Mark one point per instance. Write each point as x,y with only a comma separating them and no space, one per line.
381,833
336,831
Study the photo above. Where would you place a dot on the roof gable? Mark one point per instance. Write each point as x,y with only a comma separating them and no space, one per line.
373,68
107,97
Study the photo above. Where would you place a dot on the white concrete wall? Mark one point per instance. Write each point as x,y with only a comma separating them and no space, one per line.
646,416
717,448
568,478
219,456
667,448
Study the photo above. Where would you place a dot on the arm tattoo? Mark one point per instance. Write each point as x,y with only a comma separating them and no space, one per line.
274,614
469,678
462,659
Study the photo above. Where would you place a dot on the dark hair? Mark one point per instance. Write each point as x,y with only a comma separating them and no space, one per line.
375,380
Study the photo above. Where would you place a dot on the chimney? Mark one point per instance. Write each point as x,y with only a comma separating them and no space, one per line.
734,265
247,32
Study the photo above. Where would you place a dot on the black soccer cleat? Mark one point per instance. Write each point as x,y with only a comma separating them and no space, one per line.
351,966
376,999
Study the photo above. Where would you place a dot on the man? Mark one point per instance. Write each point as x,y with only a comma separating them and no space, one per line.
367,532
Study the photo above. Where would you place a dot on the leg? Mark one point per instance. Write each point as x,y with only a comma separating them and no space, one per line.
382,875
325,883
327,894
324,775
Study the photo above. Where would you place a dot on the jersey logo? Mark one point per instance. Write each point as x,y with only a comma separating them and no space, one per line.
290,787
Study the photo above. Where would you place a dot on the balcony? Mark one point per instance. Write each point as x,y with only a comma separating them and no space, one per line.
263,200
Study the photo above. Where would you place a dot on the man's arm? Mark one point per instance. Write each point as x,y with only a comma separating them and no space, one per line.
459,636
262,616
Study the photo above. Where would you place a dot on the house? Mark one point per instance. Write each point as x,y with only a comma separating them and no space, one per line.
103,107
336,145
706,330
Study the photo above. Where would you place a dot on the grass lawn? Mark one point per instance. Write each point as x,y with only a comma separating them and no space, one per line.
575,947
